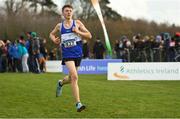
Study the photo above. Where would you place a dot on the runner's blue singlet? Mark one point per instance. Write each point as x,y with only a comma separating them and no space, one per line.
71,43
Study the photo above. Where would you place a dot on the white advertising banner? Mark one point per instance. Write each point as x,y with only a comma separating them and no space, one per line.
53,66
144,71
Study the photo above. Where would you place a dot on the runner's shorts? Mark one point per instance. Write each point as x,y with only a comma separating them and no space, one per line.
77,61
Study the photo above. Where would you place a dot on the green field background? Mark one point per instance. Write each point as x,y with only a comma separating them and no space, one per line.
33,96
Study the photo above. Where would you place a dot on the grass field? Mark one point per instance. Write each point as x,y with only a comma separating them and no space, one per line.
33,96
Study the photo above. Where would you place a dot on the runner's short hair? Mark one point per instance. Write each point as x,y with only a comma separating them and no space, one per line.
67,6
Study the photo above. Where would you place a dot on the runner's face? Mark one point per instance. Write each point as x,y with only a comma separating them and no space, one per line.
67,13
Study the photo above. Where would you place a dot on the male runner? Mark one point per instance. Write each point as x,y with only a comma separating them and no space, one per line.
71,32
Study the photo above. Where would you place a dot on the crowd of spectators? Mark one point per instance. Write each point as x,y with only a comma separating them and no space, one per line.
160,48
30,54
23,55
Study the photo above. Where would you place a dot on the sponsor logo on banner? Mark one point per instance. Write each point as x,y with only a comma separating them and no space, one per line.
144,71
93,66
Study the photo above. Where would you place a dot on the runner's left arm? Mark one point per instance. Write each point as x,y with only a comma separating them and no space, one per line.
81,30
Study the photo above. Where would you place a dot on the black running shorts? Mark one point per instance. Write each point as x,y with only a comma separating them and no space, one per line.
77,61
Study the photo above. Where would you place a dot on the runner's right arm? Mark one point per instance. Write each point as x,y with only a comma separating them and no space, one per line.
53,36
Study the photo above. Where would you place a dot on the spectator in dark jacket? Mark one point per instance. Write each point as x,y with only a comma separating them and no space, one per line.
16,57
98,49
119,49
85,49
2,45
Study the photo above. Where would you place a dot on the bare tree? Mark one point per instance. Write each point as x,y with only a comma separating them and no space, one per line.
49,4
13,7
85,10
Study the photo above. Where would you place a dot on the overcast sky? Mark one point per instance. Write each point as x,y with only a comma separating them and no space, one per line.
157,10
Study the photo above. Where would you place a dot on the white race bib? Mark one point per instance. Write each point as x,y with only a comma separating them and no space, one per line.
69,43
69,39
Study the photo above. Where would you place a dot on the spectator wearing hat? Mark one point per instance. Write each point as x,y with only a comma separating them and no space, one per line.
36,52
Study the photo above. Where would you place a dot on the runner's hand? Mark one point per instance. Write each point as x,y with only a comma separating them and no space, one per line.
57,40
75,30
